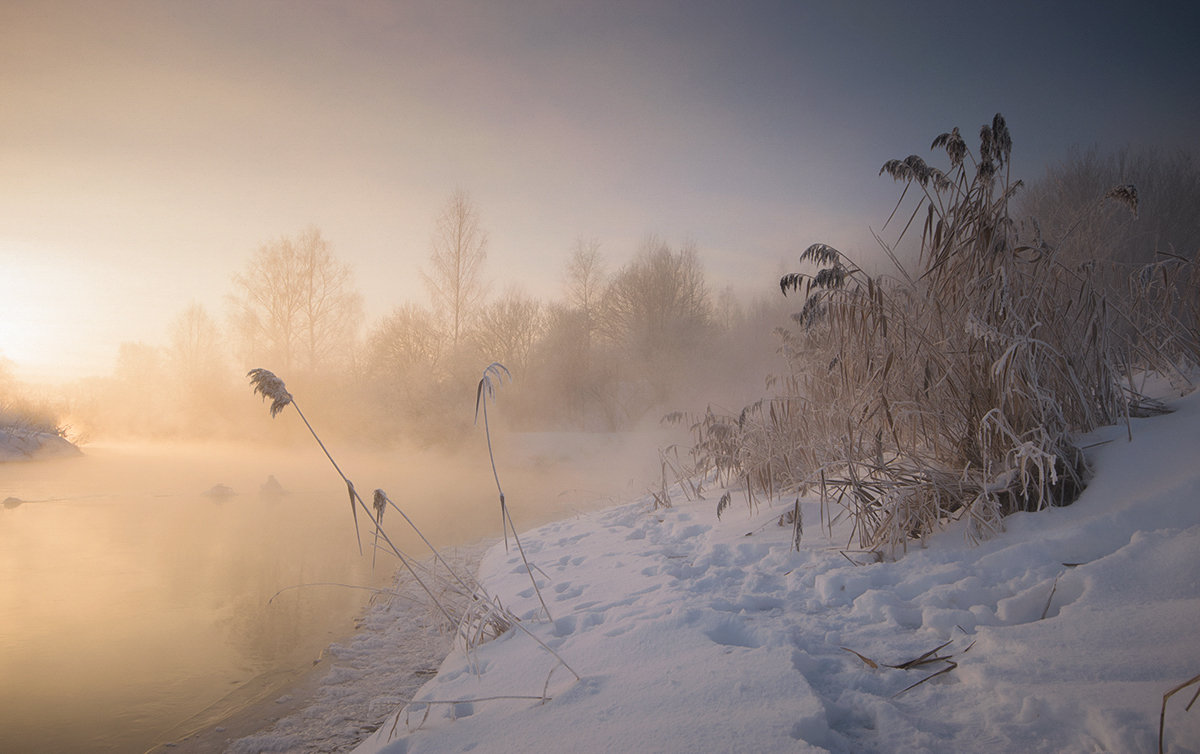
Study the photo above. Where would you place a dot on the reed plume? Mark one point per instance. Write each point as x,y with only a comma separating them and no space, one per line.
482,617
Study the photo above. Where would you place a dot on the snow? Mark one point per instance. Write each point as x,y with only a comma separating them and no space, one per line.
22,444
692,634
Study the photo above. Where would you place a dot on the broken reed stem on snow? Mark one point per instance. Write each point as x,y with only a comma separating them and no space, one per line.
428,703
373,589
929,658
485,390
1162,715
474,586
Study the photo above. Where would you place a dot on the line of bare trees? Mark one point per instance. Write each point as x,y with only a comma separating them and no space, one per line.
614,347
601,357
295,305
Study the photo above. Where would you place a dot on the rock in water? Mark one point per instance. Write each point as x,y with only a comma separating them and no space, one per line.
271,488
219,492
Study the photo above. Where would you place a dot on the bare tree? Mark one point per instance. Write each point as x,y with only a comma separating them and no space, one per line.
405,344
509,327
136,401
195,346
403,367
455,280
585,278
727,312
657,315
658,303
296,304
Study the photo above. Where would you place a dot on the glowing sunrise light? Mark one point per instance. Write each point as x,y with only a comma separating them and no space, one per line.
47,316
23,335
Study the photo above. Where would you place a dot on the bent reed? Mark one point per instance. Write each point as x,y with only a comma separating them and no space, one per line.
475,615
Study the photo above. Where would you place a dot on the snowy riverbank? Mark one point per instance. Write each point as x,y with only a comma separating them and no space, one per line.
397,647
693,634
24,444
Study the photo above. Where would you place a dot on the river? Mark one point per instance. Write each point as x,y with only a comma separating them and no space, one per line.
132,597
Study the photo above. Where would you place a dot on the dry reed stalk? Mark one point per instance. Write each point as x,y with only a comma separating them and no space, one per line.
483,617
954,391
1162,715
931,657
270,386
493,377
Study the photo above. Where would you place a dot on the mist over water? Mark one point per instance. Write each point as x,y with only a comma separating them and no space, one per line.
131,600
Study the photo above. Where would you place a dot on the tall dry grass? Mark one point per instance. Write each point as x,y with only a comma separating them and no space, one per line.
469,609
954,390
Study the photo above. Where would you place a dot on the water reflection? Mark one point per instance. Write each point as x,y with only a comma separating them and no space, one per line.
128,597
136,581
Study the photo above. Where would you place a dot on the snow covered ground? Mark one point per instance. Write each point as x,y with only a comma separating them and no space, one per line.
693,634
22,444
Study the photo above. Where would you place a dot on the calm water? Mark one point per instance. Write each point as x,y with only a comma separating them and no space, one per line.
130,601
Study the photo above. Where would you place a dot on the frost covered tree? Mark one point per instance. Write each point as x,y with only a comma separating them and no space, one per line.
196,361
585,280
405,344
296,305
657,315
567,376
404,363
509,327
455,278
659,303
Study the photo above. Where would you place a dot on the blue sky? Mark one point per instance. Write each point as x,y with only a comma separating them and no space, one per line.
148,148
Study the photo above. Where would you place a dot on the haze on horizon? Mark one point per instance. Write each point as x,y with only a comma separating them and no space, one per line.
149,148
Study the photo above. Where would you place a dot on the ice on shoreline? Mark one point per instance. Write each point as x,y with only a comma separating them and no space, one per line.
399,643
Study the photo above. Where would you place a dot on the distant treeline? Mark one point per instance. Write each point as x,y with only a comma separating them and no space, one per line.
615,348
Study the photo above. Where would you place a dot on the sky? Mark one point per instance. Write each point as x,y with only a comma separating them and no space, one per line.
148,148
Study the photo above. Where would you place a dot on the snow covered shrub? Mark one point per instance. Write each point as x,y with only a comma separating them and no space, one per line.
761,449
20,412
953,390
21,415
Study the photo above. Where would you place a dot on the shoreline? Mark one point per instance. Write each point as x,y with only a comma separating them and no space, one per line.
339,700
278,694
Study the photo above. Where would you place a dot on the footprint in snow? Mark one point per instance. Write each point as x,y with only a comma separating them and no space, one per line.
731,633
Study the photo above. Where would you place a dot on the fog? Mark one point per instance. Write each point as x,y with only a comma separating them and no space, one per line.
375,202
132,596
144,571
